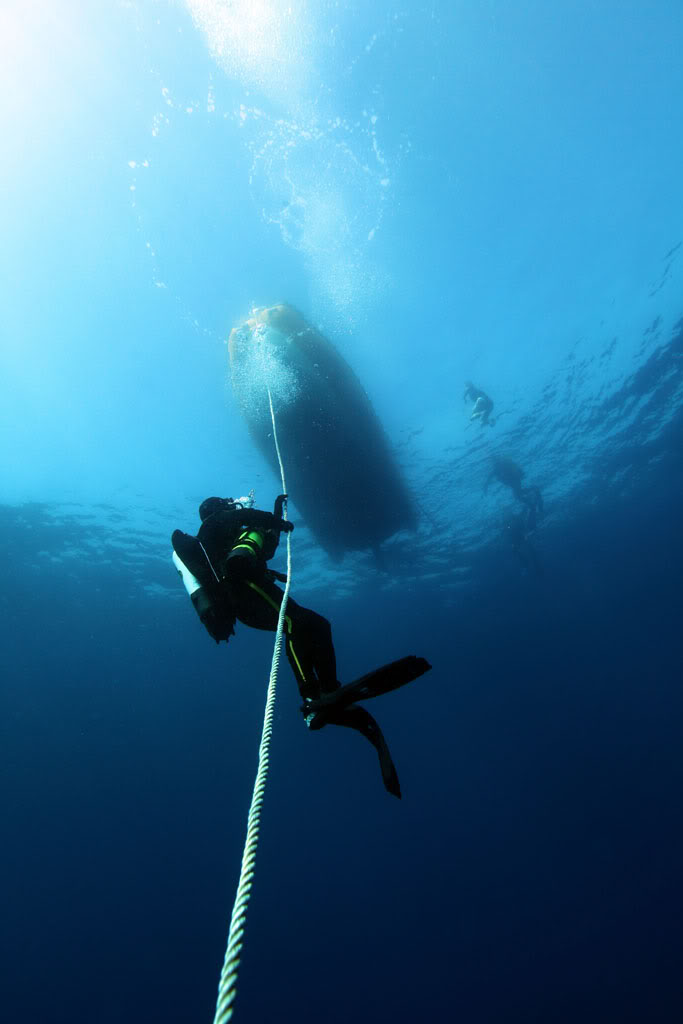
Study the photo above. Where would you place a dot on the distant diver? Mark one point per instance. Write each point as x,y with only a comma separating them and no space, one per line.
510,475
225,573
483,405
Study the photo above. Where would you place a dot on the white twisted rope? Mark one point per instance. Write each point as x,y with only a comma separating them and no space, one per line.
227,986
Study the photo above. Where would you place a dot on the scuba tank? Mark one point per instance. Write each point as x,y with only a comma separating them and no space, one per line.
190,582
210,603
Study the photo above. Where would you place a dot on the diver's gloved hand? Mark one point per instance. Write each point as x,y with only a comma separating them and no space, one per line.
285,526
216,626
279,503
214,620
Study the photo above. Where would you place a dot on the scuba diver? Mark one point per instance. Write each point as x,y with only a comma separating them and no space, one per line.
510,474
224,570
483,405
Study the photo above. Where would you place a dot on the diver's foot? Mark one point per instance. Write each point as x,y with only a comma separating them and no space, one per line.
314,719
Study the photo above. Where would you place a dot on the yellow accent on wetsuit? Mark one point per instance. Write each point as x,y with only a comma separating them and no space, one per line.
266,597
251,540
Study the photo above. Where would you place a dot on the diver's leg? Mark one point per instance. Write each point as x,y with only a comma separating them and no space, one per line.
312,637
257,604
308,636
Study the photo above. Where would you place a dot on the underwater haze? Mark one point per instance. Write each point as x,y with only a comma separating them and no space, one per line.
463,198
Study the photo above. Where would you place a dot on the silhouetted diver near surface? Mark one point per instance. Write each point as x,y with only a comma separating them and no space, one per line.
510,475
225,573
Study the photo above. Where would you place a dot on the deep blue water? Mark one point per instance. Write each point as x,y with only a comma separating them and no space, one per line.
449,192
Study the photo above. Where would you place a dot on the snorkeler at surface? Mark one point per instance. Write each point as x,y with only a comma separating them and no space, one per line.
483,405
225,573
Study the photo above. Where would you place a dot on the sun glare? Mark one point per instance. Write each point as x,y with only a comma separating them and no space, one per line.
263,42
38,54
16,51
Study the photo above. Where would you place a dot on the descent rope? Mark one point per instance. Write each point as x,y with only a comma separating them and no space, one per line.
227,986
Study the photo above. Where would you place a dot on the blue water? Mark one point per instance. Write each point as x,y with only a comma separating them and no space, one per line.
450,192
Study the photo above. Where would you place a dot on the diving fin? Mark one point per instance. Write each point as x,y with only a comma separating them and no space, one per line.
374,684
358,718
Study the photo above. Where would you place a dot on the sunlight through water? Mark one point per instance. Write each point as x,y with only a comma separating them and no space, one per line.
265,43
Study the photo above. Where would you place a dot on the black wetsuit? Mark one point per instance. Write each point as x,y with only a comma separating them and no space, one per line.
228,559
240,586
